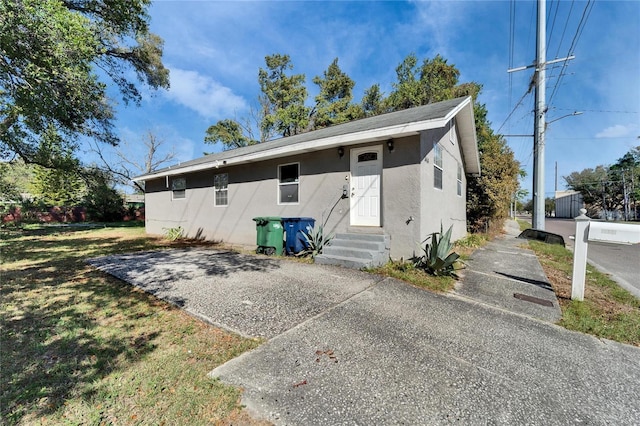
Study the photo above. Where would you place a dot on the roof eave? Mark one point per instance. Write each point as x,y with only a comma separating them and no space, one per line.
380,134
465,120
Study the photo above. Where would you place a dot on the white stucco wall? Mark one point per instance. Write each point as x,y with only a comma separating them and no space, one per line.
411,208
442,206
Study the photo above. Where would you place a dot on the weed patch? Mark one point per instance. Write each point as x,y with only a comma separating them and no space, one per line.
407,272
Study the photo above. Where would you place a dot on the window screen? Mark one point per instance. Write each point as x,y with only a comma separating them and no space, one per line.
288,185
437,166
220,184
179,188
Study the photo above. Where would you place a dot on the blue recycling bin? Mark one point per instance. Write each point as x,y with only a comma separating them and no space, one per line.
294,228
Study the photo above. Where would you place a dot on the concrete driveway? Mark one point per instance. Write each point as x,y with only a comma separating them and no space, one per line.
347,347
254,296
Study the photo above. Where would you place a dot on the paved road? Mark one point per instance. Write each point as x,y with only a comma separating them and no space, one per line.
622,262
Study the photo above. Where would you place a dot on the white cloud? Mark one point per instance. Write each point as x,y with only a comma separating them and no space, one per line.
204,95
617,131
437,19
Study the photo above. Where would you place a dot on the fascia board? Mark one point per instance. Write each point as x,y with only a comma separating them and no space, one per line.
467,126
309,146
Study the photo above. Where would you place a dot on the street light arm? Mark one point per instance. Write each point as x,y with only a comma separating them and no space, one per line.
564,116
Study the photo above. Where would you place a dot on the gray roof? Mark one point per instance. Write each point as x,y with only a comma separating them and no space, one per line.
430,112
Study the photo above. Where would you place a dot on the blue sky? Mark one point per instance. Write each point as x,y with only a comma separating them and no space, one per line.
214,50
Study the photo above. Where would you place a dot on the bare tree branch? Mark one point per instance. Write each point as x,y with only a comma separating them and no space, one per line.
128,166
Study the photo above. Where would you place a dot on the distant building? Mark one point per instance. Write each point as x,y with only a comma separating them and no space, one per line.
568,204
134,199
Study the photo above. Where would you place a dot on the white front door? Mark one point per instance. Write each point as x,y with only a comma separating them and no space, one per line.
366,169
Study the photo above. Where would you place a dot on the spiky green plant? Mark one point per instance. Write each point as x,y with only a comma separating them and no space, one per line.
173,234
316,240
438,259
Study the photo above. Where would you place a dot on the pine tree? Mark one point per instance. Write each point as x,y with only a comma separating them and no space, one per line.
283,98
333,102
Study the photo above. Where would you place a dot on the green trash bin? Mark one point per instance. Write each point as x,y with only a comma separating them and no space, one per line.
269,235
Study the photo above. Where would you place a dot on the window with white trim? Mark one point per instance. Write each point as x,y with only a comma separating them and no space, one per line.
220,188
459,180
178,188
288,183
437,166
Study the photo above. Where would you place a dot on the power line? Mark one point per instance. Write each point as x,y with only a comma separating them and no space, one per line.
564,30
598,110
514,109
553,22
594,138
512,26
566,24
581,25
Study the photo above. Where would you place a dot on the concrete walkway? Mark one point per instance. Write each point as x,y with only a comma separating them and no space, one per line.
506,275
346,347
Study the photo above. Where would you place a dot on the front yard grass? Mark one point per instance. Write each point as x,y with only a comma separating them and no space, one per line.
81,347
608,311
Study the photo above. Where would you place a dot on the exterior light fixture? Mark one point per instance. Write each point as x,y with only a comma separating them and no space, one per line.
390,145
340,151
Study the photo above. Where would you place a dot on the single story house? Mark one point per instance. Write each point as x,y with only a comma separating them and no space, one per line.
387,181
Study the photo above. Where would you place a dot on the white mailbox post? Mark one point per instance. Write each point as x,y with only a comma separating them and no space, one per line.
580,256
605,232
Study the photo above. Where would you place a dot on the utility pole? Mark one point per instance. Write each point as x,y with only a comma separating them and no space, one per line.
625,197
537,221
633,191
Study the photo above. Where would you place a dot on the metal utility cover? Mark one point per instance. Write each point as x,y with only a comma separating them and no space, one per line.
532,299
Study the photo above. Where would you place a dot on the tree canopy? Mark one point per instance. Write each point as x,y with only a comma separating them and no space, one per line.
126,166
489,195
50,54
284,112
609,188
62,186
283,97
229,133
334,102
433,81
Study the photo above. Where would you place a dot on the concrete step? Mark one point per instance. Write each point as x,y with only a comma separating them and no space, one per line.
345,262
346,251
356,250
362,237
359,244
